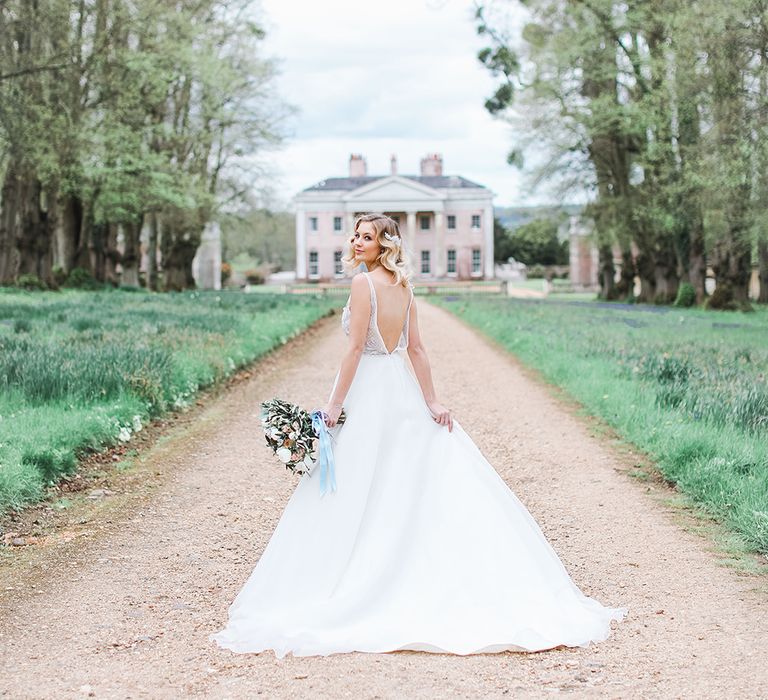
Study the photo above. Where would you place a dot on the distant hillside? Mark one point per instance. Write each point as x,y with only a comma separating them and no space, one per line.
512,217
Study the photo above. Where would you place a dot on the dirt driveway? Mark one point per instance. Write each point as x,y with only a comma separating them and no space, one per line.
120,603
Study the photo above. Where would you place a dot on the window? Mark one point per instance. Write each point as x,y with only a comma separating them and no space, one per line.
451,261
395,218
424,262
337,223
475,220
424,222
451,222
338,269
476,265
313,223
313,266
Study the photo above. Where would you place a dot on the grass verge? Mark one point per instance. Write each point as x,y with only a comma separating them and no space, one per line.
687,387
80,371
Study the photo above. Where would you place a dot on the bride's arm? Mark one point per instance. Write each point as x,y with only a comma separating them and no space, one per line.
359,317
418,354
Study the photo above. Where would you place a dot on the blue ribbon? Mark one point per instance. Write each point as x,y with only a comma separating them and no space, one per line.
327,467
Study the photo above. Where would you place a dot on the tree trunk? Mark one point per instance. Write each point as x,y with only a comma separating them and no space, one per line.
82,254
112,256
646,271
34,227
732,251
694,261
607,274
131,252
9,258
626,285
667,277
697,261
97,247
667,283
762,269
732,265
152,252
68,231
178,253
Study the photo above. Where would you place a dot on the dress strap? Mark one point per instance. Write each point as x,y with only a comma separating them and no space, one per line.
407,326
373,291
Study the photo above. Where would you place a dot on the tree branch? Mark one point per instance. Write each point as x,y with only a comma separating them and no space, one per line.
34,69
631,55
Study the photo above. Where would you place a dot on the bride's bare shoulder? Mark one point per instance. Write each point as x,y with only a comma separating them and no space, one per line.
359,286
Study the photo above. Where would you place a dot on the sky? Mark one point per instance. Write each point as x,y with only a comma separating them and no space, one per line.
383,77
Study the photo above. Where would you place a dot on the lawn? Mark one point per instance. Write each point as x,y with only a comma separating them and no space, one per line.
688,387
80,371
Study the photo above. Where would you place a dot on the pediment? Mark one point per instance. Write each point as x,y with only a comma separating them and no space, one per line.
393,189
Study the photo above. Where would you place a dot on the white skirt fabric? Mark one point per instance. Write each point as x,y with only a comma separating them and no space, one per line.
423,547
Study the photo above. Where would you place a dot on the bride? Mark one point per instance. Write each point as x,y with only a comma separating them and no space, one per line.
422,545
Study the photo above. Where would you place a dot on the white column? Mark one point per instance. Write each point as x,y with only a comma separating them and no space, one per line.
349,225
216,249
301,245
440,262
488,271
410,236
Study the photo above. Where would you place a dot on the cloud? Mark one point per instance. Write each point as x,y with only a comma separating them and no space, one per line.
376,78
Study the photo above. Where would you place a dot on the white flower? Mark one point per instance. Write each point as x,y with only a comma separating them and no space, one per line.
137,426
124,435
283,454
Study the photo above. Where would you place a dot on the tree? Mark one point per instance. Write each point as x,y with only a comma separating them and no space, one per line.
537,243
502,244
263,235
664,102
114,113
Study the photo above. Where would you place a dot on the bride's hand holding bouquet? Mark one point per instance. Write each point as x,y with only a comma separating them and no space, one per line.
332,413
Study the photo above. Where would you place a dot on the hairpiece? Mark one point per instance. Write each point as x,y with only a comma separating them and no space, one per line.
390,237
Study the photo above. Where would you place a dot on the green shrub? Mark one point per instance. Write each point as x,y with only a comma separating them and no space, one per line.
723,299
254,277
662,298
30,282
80,278
686,295
59,275
226,272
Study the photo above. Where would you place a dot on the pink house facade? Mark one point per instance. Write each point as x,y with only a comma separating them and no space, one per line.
446,221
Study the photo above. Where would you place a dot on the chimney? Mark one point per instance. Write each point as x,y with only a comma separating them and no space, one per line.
393,165
432,164
357,166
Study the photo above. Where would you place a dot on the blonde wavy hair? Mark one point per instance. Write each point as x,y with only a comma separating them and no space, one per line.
392,255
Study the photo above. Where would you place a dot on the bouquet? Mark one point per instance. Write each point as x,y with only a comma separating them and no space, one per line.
291,433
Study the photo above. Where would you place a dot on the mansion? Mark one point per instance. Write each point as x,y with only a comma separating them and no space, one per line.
446,221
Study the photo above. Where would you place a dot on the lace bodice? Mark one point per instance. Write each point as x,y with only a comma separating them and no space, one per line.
374,343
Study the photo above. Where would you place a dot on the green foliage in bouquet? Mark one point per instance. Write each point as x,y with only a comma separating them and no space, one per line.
288,431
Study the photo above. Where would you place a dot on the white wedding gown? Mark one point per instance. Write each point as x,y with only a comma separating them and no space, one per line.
422,546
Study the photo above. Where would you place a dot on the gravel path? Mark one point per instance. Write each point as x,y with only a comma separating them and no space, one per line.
121,605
